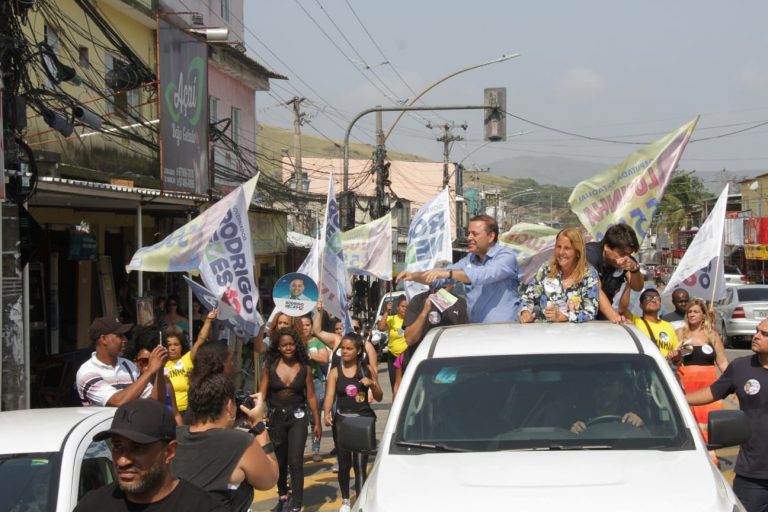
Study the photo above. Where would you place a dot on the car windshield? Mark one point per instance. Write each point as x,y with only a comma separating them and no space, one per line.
731,269
28,481
753,294
532,402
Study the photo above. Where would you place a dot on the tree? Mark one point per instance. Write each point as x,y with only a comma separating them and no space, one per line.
682,203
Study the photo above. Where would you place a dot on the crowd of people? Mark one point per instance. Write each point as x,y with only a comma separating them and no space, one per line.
314,374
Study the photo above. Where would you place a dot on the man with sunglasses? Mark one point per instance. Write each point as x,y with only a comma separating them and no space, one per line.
660,331
107,379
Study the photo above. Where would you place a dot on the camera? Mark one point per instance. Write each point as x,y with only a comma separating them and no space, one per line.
242,397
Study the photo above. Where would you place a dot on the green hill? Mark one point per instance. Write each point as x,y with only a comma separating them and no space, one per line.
272,140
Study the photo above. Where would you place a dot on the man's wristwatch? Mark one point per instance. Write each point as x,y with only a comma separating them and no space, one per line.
637,268
258,428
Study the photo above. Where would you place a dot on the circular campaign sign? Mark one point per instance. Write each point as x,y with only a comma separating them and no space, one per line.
295,294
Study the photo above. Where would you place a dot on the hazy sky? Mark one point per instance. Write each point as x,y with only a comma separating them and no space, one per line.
618,70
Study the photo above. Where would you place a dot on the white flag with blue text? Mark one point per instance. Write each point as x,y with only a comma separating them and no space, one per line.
333,274
700,270
227,266
429,240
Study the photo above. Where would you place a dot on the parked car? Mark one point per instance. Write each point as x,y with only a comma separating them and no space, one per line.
734,276
738,314
48,459
486,418
53,384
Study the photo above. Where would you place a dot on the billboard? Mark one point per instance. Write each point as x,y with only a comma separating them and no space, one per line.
183,93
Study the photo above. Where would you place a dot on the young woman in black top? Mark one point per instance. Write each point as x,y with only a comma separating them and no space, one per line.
287,385
349,381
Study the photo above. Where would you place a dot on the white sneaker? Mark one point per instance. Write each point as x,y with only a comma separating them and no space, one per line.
345,506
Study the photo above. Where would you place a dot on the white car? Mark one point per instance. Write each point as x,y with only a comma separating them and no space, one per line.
48,459
544,417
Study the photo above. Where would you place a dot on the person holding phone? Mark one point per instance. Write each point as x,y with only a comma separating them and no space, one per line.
396,344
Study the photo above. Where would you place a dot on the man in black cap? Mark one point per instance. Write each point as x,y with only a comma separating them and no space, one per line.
143,444
107,379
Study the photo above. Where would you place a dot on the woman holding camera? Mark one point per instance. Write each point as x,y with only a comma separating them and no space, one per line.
228,463
287,386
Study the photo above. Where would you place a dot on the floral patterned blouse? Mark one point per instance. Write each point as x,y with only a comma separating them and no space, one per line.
579,302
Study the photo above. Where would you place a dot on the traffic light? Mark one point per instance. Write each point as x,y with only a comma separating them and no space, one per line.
495,121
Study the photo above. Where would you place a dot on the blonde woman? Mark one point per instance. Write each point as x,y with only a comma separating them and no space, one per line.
567,287
702,351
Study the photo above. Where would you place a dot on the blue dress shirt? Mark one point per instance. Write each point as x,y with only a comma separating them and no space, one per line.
492,295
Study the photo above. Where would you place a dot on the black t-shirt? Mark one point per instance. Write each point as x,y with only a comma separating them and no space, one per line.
208,458
185,496
749,381
611,278
454,315
351,395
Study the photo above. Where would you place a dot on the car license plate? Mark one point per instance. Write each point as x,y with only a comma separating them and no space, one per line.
761,314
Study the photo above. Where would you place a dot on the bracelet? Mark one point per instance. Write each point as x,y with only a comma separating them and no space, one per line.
268,448
450,274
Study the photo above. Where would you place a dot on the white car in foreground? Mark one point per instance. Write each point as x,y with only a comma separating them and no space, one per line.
48,459
544,417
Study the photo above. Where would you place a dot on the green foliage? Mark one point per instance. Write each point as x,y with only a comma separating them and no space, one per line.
681,206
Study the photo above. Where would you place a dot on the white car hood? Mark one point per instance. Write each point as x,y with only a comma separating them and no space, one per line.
541,481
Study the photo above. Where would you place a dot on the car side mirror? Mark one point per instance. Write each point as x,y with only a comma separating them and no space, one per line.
358,434
727,428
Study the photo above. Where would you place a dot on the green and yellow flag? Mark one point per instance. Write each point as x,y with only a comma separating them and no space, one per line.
631,191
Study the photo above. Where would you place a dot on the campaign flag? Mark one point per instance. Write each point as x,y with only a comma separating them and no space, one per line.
227,313
182,250
309,267
368,248
700,270
429,240
333,275
631,191
532,244
311,264
227,267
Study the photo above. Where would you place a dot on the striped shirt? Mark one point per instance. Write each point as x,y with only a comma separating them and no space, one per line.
97,381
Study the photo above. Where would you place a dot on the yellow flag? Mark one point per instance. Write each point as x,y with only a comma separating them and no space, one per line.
631,191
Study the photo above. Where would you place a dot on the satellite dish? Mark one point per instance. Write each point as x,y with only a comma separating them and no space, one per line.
754,185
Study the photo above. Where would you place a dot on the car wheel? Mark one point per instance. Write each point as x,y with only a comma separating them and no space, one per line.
727,340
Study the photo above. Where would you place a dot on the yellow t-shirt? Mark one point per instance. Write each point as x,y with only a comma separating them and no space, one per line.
663,331
177,372
396,344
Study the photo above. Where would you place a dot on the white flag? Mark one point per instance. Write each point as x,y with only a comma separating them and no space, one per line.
227,264
333,275
182,250
429,240
368,248
700,271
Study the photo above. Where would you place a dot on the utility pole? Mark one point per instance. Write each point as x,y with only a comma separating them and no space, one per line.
447,138
382,171
459,201
298,120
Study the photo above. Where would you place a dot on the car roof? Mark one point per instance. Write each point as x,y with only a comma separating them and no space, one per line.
44,430
535,338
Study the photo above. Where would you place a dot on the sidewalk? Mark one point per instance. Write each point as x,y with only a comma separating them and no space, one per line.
321,487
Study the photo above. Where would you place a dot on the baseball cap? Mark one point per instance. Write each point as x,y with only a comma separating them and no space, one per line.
142,421
107,325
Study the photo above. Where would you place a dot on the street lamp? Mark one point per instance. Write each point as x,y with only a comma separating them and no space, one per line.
435,84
